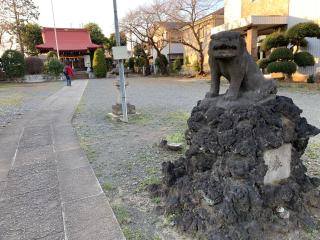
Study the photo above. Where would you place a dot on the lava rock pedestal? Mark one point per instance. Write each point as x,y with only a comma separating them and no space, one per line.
242,176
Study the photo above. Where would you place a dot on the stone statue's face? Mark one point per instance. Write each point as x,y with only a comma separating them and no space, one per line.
226,44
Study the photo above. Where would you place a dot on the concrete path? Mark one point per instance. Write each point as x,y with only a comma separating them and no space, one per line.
48,190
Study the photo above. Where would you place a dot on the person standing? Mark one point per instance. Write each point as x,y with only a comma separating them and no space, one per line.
68,72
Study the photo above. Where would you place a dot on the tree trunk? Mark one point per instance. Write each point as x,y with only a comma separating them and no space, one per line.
201,63
18,27
147,71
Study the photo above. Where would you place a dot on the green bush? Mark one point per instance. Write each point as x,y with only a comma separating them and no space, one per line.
54,67
34,65
298,32
131,62
283,67
196,66
162,58
311,79
274,40
139,62
177,65
186,60
13,64
304,59
281,54
263,63
52,54
99,63
109,62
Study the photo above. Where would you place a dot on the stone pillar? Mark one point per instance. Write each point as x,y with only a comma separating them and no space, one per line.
252,37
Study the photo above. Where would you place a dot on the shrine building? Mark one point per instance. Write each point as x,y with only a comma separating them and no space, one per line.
74,44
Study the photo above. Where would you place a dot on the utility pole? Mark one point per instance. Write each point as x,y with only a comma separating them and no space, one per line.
121,66
55,30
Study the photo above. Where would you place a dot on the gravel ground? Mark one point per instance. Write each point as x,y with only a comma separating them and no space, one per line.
126,157
18,99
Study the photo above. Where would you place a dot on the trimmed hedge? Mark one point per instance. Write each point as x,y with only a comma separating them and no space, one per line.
283,67
139,62
177,65
263,63
162,59
13,64
303,30
54,67
34,65
51,55
304,59
99,63
282,54
274,40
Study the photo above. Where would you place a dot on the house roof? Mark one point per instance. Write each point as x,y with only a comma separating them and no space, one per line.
69,39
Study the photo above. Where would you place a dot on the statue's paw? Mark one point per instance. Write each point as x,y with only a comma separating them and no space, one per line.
211,95
230,97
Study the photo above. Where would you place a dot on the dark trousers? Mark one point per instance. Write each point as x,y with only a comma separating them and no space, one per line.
68,80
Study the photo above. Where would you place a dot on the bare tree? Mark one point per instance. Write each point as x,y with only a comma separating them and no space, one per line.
144,23
190,12
15,13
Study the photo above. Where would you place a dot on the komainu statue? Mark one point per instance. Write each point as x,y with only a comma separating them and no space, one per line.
242,175
228,57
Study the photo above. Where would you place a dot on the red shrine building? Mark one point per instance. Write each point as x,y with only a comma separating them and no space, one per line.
74,44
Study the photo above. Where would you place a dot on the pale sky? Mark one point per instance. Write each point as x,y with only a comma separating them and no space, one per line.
74,13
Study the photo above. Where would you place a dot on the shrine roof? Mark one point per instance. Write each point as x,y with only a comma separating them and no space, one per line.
69,39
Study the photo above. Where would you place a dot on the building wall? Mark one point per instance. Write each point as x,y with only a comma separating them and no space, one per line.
232,10
205,33
264,7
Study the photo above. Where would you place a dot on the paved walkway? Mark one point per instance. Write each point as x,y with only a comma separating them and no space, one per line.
48,190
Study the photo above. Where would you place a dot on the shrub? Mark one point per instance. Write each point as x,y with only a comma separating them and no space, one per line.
274,40
162,59
196,66
99,63
109,63
283,67
131,62
263,63
54,67
34,65
139,62
298,32
186,60
304,59
281,54
177,65
311,79
51,55
13,64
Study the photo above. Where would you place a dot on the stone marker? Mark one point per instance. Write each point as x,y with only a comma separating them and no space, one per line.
242,176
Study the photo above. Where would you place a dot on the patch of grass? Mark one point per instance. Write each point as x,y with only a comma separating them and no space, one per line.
299,86
133,234
156,200
176,118
150,180
140,119
86,146
177,137
11,100
313,150
122,214
107,187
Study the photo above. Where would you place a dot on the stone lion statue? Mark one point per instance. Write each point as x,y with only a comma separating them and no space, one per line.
229,57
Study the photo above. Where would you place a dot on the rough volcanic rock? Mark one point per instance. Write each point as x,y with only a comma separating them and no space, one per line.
218,190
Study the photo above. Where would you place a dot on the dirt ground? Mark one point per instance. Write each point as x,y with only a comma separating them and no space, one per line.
127,158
